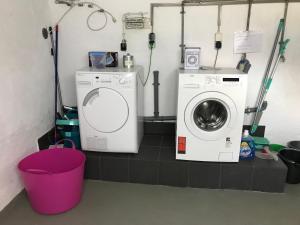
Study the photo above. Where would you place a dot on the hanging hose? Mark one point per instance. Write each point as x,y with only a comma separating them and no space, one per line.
90,5
149,69
99,28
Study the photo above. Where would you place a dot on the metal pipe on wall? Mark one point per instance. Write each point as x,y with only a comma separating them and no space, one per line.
156,93
205,3
183,4
182,45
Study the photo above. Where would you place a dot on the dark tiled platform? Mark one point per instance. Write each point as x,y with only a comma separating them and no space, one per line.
156,164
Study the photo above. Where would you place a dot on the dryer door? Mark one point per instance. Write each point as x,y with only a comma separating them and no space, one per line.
105,110
210,115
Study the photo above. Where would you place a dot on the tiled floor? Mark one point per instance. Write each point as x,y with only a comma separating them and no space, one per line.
110,203
155,164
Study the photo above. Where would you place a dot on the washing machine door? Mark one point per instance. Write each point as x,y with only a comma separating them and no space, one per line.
210,115
105,110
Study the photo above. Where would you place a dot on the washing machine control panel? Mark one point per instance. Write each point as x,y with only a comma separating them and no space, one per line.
213,80
197,81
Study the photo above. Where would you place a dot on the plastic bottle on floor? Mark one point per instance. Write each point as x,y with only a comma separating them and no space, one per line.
247,151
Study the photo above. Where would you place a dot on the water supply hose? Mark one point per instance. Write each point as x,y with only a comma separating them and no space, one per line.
90,5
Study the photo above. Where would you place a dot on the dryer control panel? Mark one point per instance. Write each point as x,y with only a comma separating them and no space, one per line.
114,80
108,80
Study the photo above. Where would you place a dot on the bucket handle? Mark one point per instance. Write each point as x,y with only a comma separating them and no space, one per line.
38,171
69,140
286,159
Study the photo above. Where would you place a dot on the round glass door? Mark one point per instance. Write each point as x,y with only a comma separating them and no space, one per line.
210,115
105,109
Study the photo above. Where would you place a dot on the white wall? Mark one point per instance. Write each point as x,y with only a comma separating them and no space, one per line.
282,117
26,78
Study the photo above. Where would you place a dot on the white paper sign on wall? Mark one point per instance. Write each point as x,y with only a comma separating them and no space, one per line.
247,42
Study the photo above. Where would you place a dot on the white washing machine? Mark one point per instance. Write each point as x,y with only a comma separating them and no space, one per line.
110,107
210,114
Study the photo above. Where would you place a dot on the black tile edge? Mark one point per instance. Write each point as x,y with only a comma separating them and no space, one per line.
212,182
116,175
277,170
151,140
173,178
46,140
159,128
237,183
135,178
93,166
260,132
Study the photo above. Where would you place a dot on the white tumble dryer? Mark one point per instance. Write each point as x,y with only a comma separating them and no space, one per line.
110,107
210,114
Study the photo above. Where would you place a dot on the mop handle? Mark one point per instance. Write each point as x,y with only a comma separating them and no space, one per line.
267,83
282,49
268,77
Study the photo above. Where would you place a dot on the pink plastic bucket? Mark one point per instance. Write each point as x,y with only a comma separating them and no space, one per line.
53,179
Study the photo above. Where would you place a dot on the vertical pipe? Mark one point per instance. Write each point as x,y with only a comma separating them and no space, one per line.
152,17
156,93
182,45
249,15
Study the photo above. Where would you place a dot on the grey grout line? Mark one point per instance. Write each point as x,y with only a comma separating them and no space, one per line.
128,169
159,160
252,177
220,176
161,140
99,167
189,174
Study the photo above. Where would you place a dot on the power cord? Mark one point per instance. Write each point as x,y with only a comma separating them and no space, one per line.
218,36
151,44
216,58
149,68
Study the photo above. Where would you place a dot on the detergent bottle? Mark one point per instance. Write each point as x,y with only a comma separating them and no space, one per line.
247,151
